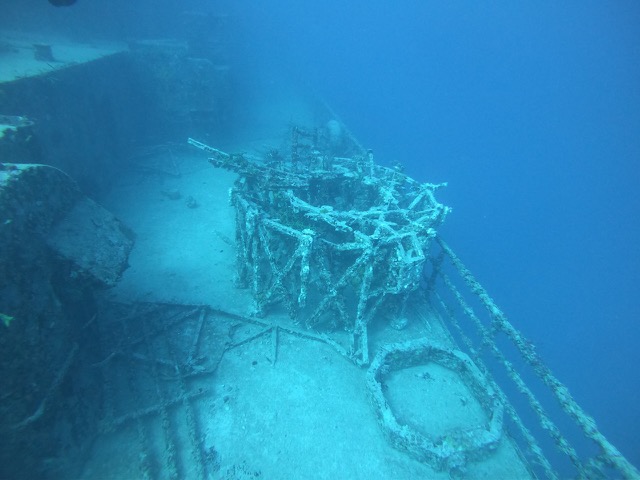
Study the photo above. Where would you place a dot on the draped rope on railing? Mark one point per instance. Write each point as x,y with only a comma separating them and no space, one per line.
610,454
530,440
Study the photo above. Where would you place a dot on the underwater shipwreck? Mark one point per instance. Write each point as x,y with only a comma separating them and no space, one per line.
342,267
339,240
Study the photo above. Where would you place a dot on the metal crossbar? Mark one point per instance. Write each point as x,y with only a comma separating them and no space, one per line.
151,381
157,371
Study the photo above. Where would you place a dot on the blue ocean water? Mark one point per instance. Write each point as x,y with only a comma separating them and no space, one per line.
530,112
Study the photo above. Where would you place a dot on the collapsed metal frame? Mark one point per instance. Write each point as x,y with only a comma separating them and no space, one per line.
159,363
487,331
151,382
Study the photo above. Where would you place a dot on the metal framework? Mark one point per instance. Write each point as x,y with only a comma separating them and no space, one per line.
158,371
336,240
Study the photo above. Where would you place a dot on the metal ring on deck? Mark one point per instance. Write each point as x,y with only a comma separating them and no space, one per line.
455,449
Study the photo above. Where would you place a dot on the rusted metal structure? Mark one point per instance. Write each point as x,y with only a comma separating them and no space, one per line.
334,239
338,240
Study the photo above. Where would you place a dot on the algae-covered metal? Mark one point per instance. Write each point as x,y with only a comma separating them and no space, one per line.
334,239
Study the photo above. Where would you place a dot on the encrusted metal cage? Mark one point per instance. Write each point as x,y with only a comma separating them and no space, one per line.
328,233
